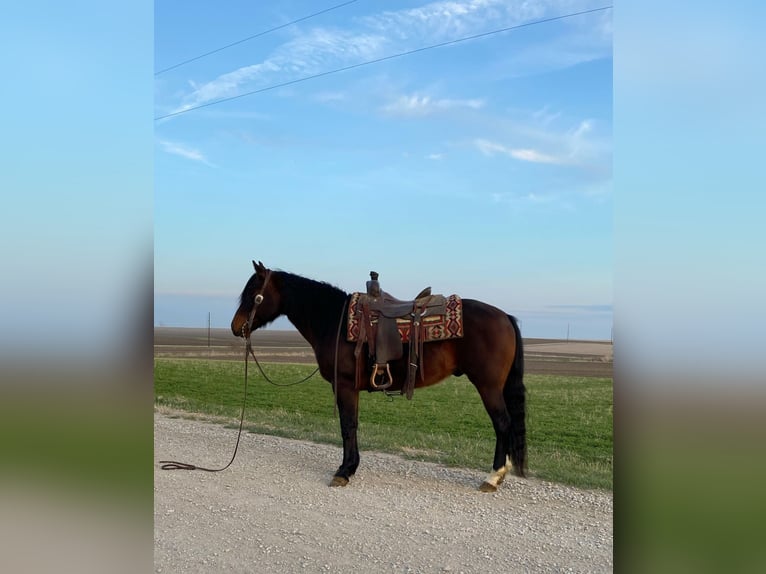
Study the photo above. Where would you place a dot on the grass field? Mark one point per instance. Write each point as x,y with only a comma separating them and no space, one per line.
569,419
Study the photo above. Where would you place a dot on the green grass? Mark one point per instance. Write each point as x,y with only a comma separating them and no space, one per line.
569,419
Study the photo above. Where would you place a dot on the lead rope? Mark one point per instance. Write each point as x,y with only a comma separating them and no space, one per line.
175,465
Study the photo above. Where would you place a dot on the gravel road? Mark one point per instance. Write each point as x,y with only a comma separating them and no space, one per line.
272,512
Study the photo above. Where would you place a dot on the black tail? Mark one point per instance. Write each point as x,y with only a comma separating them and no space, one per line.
515,402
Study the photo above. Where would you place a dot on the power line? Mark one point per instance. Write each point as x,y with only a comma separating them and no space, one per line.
179,64
384,58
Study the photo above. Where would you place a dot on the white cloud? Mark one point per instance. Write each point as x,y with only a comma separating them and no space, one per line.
185,152
533,155
450,19
585,127
491,148
316,50
226,85
416,105
578,146
408,105
435,156
311,52
544,116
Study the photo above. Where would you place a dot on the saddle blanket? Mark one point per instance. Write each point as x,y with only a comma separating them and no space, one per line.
435,327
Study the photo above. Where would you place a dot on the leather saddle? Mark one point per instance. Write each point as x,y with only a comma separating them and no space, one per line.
379,329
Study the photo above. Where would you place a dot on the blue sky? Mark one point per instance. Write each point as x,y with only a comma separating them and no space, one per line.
483,168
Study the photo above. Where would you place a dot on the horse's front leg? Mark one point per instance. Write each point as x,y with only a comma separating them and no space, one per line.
348,407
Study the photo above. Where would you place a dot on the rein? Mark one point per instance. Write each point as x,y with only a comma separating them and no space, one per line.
249,349
175,465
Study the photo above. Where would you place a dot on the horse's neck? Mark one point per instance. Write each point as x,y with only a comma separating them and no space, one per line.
316,319
304,328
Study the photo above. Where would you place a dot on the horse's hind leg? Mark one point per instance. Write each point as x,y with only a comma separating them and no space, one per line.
514,393
495,404
515,400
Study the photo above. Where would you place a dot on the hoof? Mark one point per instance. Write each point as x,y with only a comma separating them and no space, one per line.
338,481
487,487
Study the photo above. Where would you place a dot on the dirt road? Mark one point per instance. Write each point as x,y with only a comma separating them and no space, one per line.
272,511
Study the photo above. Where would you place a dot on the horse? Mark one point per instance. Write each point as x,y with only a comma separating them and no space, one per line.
489,353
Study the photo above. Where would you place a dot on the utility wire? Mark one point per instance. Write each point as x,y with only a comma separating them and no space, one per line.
179,64
384,58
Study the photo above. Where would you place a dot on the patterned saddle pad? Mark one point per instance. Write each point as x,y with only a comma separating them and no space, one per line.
435,327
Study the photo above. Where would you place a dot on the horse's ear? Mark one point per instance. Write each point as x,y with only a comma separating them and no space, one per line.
259,267
255,265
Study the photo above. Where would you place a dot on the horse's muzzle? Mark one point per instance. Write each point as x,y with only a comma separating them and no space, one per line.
239,328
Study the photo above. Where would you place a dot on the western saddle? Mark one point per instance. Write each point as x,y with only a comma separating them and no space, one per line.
378,328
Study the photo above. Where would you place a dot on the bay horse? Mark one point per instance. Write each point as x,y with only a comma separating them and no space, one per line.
490,354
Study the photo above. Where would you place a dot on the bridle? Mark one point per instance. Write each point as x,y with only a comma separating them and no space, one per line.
257,300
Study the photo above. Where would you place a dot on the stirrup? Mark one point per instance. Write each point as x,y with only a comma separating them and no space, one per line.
383,374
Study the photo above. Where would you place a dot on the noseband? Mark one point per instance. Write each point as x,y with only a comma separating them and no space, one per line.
257,300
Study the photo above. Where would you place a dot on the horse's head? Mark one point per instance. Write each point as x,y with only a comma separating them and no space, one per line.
259,303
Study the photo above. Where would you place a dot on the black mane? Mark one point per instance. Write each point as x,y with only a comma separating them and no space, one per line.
301,290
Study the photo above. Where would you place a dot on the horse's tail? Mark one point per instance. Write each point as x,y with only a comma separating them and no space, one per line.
514,394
